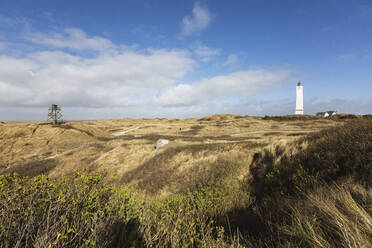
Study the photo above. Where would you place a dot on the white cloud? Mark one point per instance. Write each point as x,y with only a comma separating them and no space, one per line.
206,53
231,60
237,84
72,38
197,22
119,80
118,77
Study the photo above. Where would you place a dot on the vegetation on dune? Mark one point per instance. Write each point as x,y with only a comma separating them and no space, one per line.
291,118
320,187
159,172
330,155
84,212
78,212
315,192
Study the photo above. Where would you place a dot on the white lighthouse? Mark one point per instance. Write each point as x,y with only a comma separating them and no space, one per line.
299,99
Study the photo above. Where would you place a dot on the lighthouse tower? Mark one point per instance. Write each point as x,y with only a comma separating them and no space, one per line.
299,99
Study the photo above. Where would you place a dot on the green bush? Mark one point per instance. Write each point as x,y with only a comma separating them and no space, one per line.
78,212
85,212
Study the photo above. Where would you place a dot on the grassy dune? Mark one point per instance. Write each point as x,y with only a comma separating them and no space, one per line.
224,181
123,146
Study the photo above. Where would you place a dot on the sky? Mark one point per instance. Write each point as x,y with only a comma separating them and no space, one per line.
180,59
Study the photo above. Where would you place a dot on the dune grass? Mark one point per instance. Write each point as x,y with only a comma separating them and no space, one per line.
314,192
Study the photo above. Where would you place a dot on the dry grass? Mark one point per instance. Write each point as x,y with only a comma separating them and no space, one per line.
194,130
320,186
329,217
85,144
212,188
181,168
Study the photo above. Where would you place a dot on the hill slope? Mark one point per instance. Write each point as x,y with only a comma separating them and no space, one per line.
127,145
305,191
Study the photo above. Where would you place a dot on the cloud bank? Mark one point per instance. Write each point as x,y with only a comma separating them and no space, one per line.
117,76
94,78
238,84
113,79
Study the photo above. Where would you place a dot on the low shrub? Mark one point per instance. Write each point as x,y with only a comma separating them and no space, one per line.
188,220
77,212
83,211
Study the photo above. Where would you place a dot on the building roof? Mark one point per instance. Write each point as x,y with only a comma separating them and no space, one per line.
299,84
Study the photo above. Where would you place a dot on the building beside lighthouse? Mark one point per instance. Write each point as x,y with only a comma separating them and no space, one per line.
299,99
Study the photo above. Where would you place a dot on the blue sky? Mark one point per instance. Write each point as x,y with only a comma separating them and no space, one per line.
179,59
